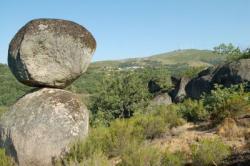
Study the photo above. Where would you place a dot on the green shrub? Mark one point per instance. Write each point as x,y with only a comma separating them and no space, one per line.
226,102
157,121
150,126
192,71
209,152
245,54
114,140
84,149
173,159
170,115
145,155
136,155
121,134
97,159
193,110
4,159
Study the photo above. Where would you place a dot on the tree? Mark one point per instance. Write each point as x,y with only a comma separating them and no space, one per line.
120,95
228,50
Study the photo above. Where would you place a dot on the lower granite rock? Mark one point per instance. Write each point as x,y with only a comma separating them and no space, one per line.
41,125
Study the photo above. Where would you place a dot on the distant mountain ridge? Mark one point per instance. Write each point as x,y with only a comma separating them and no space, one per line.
191,57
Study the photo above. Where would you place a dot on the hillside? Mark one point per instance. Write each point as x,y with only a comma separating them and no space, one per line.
170,62
191,57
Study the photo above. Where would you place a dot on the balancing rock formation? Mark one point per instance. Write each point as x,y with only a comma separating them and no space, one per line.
50,52
40,126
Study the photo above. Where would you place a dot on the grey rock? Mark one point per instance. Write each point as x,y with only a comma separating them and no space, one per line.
162,99
179,93
50,52
198,86
41,125
232,73
226,74
153,87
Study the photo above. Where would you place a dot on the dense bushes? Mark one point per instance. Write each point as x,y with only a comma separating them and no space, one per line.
157,121
105,144
219,104
191,72
150,156
209,152
119,96
226,102
138,155
193,110
150,126
174,159
125,138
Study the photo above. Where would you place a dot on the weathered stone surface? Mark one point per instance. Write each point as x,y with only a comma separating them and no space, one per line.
179,93
227,74
41,125
50,52
198,86
162,99
232,73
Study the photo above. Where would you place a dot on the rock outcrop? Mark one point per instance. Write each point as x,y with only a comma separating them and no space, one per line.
228,74
232,73
200,84
162,99
179,93
41,125
153,87
50,52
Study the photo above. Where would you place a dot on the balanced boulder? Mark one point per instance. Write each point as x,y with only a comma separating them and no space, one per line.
50,52
41,125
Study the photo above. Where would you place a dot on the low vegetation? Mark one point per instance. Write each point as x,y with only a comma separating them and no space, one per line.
227,102
193,110
209,152
4,159
126,138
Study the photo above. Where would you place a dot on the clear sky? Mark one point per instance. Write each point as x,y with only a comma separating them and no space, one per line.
137,28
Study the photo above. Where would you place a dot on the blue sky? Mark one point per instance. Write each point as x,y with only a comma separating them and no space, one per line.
137,28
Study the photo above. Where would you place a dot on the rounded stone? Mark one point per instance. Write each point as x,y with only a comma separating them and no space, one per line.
42,125
50,52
